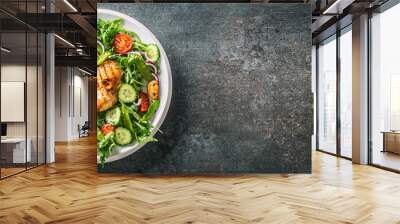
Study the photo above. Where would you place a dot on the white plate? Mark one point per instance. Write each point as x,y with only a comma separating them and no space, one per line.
165,78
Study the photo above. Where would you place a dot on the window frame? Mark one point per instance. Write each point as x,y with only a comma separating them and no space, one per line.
338,34
32,30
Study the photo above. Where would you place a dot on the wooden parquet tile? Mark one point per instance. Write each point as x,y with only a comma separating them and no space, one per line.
71,191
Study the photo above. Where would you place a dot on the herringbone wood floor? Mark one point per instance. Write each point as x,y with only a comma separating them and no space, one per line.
71,191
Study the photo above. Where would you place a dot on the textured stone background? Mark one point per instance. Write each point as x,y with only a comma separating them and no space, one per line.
242,100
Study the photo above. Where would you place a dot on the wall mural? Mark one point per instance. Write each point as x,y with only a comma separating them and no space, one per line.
204,88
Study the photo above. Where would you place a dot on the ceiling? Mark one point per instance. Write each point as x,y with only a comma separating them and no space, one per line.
22,20
332,15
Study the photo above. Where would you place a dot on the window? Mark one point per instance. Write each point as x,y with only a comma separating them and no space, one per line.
346,92
327,95
385,89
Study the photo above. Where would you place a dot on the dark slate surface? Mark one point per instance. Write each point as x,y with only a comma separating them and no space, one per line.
242,100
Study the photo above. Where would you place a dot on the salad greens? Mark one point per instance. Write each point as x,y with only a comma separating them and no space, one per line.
107,29
128,120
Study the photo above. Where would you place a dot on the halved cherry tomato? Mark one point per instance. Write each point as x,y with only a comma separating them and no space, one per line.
122,43
144,105
107,128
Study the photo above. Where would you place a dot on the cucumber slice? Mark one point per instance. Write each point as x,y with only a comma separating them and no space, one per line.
153,53
122,136
127,94
113,116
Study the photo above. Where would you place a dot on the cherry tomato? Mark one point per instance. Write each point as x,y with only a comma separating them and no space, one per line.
122,43
107,128
144,105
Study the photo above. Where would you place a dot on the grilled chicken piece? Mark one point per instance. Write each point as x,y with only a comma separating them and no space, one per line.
105,99
108,78
152,90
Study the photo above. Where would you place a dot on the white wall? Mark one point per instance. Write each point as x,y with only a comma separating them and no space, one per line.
61,103
79,117
69,82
